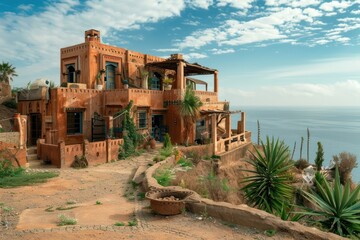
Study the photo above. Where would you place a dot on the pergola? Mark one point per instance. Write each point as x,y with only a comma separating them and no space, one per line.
184,69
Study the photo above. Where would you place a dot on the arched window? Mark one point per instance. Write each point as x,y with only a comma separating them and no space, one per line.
110,75
71,76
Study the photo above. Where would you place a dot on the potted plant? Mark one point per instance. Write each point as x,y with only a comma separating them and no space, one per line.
99,84
167,82
125,83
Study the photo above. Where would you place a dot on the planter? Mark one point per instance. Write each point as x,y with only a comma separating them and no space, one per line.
167,87
126,86
167,202
152,143
99,87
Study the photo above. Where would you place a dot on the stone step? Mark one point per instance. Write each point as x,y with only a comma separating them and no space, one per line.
31,150
31,157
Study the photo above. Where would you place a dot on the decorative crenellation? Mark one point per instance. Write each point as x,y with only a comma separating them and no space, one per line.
74,48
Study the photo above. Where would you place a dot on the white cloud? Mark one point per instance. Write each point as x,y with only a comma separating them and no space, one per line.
36,39
322,41
333,5
277,25
193,55
25,7
200,3
191,22
339,93
243,4
356,12
222,51
339,66
167,50
292,3
313,12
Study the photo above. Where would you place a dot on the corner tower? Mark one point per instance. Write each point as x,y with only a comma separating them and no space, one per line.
92,35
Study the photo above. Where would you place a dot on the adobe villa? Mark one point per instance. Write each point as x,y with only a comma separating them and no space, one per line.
84,115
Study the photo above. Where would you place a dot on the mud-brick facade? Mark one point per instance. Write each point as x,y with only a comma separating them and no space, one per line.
97,83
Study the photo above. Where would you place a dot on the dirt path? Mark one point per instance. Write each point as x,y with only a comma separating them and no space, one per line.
35,210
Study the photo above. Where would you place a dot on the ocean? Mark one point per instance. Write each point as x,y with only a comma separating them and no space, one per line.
337,128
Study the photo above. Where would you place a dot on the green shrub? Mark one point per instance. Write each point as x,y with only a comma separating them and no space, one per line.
10,103
26,179
337,208
166,152
127,149
7,169
133,223
301,164
195,156
319,157
345,162
167,141
270,185
119,224
164,176
80,162
64,220
183,162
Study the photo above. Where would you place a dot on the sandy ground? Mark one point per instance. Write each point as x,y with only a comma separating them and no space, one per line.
35,210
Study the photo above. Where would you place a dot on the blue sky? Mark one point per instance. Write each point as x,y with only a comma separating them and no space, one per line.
268,52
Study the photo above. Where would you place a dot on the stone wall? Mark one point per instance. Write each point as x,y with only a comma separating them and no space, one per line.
238,214
11,138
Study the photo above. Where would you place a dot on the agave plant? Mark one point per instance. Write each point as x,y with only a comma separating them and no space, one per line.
270,185
337,208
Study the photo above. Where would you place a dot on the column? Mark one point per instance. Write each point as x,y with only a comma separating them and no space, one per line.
228,126
216,85
180,81
214,132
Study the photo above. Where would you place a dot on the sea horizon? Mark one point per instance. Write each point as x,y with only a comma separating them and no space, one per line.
336,127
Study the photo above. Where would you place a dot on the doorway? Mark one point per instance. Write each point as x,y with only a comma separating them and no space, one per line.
35,128
157,127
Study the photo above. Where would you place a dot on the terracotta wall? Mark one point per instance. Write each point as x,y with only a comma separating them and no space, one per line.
62,155
70,152
50,153
114,148
96,152
87,100
235,154
10,151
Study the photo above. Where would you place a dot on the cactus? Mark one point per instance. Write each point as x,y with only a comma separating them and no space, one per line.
258,137
301,146
308,144
293,152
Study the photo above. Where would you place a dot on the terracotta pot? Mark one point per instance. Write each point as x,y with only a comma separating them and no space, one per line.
152,143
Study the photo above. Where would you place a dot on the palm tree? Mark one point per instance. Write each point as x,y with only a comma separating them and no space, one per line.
7,71
190,110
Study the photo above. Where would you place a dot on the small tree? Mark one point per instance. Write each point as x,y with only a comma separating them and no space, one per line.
190,110
319,157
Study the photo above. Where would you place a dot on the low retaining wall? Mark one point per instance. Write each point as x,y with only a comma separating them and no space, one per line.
238,214
12,152
62,155
202,150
